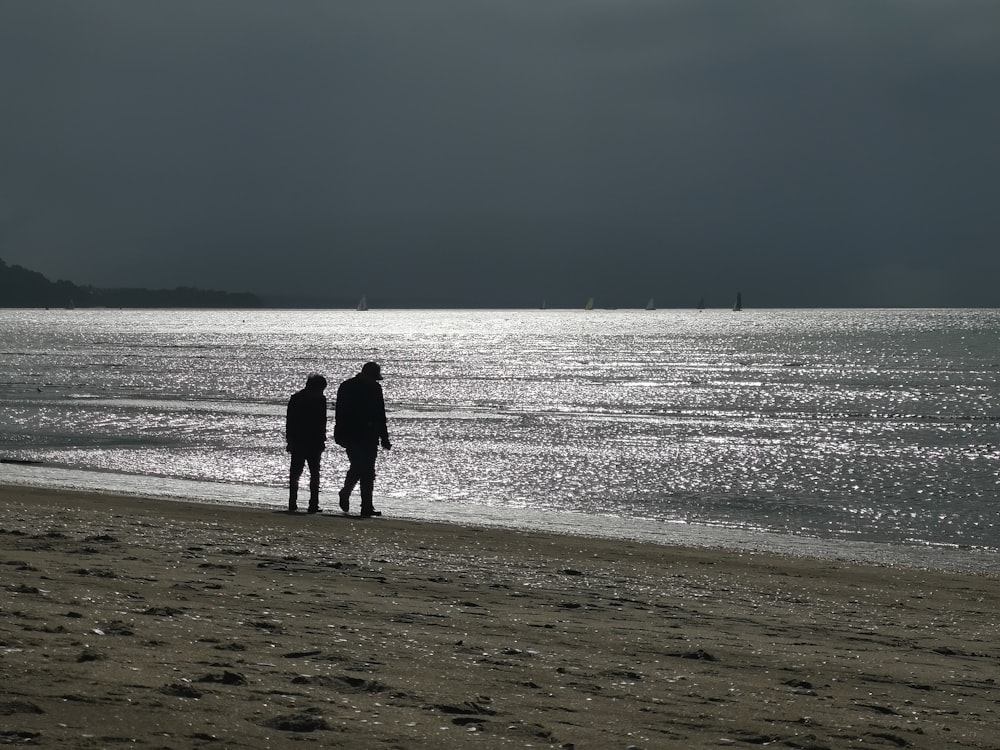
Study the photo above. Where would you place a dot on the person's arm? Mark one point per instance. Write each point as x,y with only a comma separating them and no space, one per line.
289,417
383,422
322,417
338,416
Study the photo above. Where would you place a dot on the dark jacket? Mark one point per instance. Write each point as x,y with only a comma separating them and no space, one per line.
305,420
360,412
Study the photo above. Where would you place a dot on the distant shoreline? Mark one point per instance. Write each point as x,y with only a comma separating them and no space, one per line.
388,308
21,288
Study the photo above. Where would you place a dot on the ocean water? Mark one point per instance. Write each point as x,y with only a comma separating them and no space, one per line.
867,434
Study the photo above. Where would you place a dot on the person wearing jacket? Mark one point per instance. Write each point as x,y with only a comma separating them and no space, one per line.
305,438
360,427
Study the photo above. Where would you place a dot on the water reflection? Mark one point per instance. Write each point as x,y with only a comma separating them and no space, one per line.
856,424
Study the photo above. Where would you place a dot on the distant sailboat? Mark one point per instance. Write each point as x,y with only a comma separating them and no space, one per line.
544,306
738,305
650,305
589,305
363,304
701,304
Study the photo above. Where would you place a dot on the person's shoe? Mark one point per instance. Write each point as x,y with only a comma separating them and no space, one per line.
313,509
345,501
370,513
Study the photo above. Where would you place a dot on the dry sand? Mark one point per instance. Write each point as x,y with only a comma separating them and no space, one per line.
157,624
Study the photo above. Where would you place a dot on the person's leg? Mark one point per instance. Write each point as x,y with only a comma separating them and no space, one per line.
362,457
313,461
350,479
294,473
367,480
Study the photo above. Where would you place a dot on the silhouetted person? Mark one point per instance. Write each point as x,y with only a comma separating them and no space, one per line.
360,427
305,435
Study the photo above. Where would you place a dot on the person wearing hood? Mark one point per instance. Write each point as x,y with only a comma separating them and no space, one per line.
305,438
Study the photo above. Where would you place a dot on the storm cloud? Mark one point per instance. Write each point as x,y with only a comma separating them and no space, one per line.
500,153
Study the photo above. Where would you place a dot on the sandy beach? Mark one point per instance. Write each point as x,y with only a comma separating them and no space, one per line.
158,624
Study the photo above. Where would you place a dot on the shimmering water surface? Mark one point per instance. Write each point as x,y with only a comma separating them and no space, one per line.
876,426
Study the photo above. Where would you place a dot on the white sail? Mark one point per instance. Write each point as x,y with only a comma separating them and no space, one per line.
650,305
589,305
363,304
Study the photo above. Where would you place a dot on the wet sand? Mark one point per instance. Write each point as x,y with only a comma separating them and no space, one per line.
158,624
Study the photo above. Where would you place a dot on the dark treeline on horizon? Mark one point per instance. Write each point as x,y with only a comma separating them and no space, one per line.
21,287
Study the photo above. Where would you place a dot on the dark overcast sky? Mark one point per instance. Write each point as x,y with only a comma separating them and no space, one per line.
830,152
